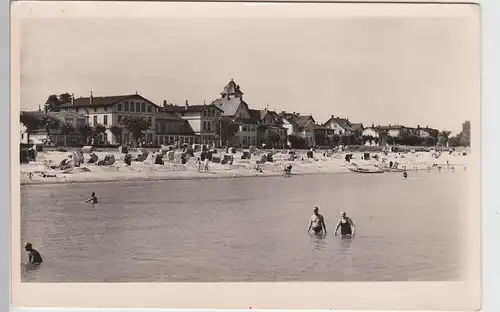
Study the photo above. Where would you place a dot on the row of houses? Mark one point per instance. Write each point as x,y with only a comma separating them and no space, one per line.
187,123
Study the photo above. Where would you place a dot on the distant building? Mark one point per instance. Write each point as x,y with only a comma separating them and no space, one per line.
201,119
341,126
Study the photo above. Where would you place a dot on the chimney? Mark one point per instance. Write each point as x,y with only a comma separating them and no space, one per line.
187,104
91,99
72,99
204,102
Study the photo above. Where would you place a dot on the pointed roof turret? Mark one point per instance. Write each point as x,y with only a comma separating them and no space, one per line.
231,89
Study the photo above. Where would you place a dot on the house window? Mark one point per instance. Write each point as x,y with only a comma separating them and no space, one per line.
137,107
209,126
143,107
119,107
77,109
95,109
204,125
95,120
119,118
150,121
149,108
105,108
105,137
132,107
105,120
126,107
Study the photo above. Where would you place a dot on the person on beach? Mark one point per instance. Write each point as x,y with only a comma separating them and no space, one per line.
317,222
30,175
198,162
206,164
92,199
34,256
405,174
346,225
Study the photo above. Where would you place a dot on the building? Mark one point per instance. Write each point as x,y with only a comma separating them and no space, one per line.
306,128
374,132
109,111
55,136
289,121
235,109
341,126
171,129
270,130
426,132
201,119
323,136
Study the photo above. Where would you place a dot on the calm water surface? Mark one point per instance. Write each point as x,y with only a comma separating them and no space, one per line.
251,229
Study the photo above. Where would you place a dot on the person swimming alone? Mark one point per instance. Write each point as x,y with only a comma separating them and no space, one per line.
317,223
34,256
345,224
92,199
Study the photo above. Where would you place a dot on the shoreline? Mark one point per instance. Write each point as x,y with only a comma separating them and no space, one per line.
172,178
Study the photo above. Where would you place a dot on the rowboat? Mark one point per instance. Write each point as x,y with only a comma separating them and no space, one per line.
365,170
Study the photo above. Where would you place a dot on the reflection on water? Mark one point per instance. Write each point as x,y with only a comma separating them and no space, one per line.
234,230
319,241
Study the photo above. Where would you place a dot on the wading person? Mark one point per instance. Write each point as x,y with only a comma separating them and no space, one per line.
346,225
92,199
34,256
317,222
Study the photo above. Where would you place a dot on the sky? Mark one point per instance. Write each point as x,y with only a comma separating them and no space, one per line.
381,70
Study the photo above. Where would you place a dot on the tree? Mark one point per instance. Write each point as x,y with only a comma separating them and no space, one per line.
272,137
297,142
86,130
454,141
443,137
464,136
430,141
50,123
391,140
135,125
99,128
117,132
66,128
224,128
64,98
52,103
31,120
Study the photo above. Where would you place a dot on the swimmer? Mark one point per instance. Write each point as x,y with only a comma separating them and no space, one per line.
30,176
405,174
345,224
92,199
34,256
317,223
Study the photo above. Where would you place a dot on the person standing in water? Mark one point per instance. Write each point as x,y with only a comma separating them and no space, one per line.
34,256
345,224
317,222
92,199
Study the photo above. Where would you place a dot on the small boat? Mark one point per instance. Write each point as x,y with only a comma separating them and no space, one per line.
385,169
365,170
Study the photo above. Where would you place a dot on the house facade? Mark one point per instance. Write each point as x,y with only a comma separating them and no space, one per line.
340,126
306,128
201,119
109,111
55,136
234,108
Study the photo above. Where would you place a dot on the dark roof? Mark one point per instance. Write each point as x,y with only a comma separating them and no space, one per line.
231,88
254,115
168,116
103,100
189,108
357,126
229,106
303,120
322,127
390,127
342,122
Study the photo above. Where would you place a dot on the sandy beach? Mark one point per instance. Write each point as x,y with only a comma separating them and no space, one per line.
321,163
